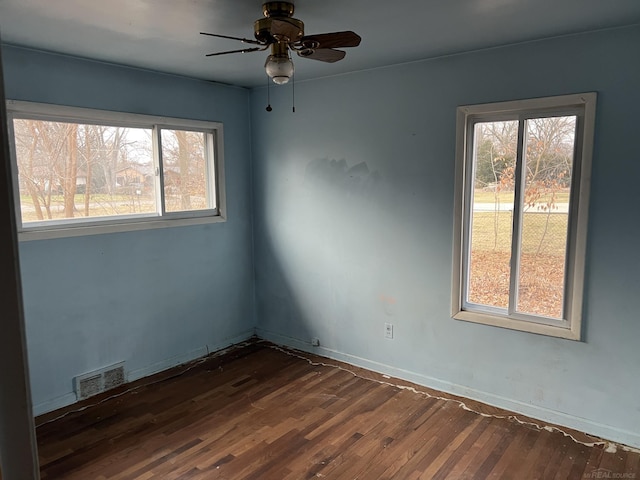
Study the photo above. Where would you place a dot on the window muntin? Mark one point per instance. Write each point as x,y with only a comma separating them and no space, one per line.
521,201
78,168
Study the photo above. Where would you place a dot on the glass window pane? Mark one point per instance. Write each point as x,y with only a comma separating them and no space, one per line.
70,170
494,159
185,170
548,166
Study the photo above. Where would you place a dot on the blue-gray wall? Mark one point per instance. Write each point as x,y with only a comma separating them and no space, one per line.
152,298
353,208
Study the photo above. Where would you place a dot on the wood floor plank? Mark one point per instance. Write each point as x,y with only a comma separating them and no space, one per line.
256,412
632,466
475,467
541,456
579,464
491,458
566,463
458,438
614,461
461,468
431,431
515,453
410,441
455,459
445,438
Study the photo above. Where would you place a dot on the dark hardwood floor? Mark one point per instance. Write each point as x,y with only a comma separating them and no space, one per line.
256,412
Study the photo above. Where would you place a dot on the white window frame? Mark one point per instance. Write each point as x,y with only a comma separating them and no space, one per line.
214,145
583,106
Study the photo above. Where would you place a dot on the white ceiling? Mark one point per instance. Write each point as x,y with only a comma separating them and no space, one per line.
164,35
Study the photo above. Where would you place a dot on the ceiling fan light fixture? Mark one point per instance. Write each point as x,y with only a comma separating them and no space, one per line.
279,68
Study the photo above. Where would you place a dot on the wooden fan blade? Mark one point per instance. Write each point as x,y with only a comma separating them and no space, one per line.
243,40
281,27
331,40
328,55
244,50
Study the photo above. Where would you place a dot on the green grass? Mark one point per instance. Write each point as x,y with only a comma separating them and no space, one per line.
480,196
492,232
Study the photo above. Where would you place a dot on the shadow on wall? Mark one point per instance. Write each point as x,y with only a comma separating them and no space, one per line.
323,257
343,206
356,181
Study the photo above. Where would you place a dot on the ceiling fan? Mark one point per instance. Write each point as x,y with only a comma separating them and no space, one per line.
281,33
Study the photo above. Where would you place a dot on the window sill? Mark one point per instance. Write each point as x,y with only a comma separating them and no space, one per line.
146,224
520,325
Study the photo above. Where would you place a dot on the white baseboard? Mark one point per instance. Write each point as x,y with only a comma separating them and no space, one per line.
606,432
133,375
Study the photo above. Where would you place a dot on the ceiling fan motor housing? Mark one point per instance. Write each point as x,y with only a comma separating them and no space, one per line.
282,11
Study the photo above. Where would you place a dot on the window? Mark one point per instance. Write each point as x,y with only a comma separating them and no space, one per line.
522,188
80,171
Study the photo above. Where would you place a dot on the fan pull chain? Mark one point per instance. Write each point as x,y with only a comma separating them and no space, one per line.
293,92
268,109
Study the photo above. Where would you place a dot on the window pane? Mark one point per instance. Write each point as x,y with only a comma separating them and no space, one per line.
185,170
494,158
548,166
70,170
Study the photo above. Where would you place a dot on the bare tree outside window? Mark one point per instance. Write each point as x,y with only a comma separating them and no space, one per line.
184,167
69,170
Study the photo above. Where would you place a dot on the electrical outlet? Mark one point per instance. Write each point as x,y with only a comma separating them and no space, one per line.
315,342
388,330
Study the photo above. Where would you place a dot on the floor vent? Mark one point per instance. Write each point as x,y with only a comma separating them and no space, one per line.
99,381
